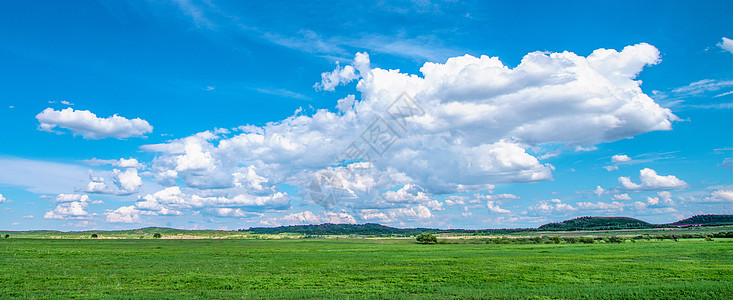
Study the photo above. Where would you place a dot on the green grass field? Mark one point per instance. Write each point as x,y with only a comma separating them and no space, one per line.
362,268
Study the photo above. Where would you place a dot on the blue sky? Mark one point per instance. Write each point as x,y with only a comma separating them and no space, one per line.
226,115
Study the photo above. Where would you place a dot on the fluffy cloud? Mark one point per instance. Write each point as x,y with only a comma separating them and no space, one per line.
620,158
127,181
71,206
718,196
121,163
610,168
330,80
308,217
726,44
601,206
88,125
459,126
651,181
599,191
624,197
494,207
546,207
2,199
125,214
233,212
172,201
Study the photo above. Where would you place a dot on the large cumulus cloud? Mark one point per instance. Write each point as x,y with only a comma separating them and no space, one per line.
477,124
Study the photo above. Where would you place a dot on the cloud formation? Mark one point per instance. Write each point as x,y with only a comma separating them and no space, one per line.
460,126
89,126
726,44
71,206
651,181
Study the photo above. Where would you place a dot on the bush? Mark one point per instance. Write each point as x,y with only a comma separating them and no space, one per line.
709,238
615,239
94,235
586,240
157,235
426,238
7,236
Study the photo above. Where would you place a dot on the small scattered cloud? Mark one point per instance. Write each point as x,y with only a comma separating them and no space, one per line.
599,191
71,206
620,158
624,197
651,181
726,44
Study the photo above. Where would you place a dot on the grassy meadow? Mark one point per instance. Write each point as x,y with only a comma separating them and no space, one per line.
362,268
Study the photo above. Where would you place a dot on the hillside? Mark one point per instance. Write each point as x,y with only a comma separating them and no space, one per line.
597,223
341,229
706,220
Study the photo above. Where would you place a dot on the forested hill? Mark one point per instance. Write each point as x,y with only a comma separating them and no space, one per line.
369,229
339,229
706,220
598,223
582,223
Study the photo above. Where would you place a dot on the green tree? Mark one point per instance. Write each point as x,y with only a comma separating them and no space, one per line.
157,235
426,238
94,235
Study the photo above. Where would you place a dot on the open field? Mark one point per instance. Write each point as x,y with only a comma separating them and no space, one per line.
362,268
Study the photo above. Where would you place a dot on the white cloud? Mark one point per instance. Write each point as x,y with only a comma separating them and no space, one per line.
726,44
121,163
599,191
234,213
96,185
477,121
28,217
128,181
125,214
307,217
455,200
71,206
494,207
339,76
723,195
651,181
547,207
172,201
601,206
610,168
88,125
2,199
585,149
624,197
620,158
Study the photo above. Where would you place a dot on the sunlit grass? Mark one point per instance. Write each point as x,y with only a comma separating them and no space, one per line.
40,268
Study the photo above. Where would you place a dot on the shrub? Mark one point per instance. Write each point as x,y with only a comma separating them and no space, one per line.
426,238
586,240
157,235
709,238
615,239
94,235
7,236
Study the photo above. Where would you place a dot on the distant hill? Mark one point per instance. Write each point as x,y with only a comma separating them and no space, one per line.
341,229
369,229
597,223
706,220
